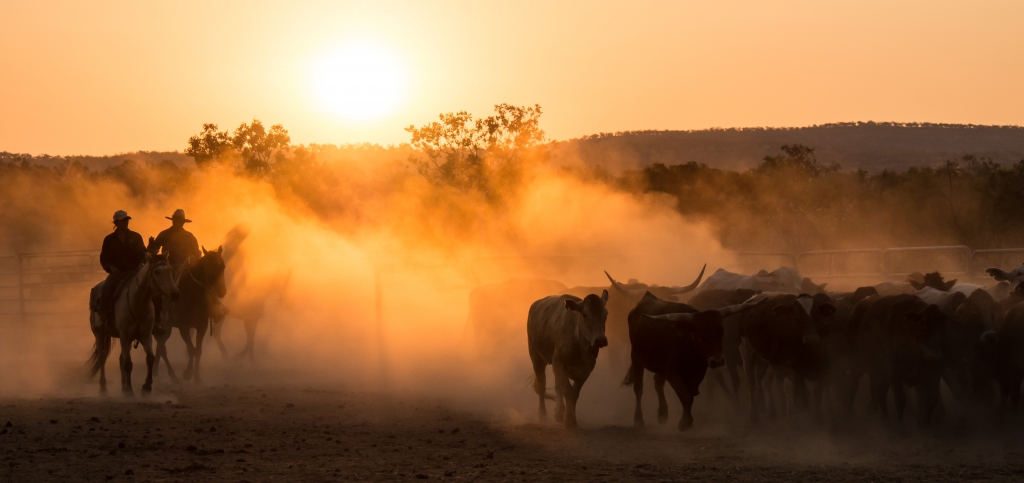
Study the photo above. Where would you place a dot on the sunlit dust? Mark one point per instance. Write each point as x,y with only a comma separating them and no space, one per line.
358,82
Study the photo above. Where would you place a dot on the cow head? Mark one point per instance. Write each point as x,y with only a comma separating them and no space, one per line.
593,317
933,280
809,287
972,326
1014,276
803,316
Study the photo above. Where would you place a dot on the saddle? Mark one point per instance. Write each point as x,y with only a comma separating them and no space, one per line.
96,294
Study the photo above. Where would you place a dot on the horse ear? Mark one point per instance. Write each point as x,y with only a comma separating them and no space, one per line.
220,249
204,250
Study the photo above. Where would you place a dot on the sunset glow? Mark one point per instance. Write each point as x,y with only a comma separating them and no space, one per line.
358,82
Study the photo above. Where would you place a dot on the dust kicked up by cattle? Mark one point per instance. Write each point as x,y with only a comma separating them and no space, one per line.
387,328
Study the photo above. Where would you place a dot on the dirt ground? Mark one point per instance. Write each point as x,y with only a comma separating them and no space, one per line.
279,432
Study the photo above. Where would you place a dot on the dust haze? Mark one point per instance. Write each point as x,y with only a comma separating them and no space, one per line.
378,290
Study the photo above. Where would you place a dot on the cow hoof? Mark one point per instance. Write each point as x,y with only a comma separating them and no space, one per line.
187,374
128,393
639,424
146,389
684,425
662,418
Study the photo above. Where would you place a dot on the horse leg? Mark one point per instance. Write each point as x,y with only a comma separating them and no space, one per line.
215,331
161,353
187,337
126,367
250,339
200,333
147,347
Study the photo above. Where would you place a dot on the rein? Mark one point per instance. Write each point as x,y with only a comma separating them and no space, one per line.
151,280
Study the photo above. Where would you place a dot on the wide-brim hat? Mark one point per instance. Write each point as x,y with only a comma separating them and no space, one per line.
179,214
121,215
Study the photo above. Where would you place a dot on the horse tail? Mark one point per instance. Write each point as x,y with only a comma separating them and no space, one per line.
100,350
628,380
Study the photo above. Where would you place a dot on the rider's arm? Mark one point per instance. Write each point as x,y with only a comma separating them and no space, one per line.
105,256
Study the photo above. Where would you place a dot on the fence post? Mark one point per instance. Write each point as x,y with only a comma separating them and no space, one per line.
21,286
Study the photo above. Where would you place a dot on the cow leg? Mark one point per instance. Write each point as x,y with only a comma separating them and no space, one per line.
927,401
637,375
561,388
734,376
1015,393
719,377
686,398
768,388
126,367
540,384
900,395
880,395
659,388
752,382
572,395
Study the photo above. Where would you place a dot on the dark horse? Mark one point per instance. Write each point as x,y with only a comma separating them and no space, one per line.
197,284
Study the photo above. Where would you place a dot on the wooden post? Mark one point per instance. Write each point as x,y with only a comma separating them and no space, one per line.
21,286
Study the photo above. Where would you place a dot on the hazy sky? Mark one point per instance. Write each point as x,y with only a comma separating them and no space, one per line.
104,77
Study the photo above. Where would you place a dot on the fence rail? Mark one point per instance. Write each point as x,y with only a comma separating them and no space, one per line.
35,284
893,263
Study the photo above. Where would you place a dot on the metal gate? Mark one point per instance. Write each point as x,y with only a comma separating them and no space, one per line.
34,285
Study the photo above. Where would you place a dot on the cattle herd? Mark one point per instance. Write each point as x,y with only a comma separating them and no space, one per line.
800,347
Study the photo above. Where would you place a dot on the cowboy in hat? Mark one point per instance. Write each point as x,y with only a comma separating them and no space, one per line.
175,240
123,252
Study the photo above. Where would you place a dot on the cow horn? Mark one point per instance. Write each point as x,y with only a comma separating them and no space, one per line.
735,309
678,317
690,287
623,290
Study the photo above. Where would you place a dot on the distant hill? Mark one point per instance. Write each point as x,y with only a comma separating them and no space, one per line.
100,163
862,145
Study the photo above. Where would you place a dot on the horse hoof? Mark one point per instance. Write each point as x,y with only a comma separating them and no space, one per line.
186,375
147,389
662,418
639,424
684,425
128,393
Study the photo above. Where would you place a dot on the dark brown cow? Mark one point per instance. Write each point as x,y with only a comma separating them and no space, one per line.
676,343
782,337
566,332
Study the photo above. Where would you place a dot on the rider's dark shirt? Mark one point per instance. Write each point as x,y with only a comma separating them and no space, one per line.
125,256
180,244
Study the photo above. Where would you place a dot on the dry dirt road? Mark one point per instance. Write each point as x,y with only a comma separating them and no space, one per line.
275,433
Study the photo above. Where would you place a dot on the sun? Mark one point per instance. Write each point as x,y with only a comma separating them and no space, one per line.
358,82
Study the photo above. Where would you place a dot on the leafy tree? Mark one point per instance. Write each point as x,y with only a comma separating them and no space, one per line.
208,145
256,145
468,155
796,158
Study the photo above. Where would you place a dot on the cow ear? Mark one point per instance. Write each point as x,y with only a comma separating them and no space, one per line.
604,297
917,286
826,310
571,304
950,284
783,310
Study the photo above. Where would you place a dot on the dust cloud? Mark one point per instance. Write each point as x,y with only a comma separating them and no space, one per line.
380,265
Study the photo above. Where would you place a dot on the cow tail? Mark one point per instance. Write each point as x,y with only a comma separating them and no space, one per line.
628,380
539,388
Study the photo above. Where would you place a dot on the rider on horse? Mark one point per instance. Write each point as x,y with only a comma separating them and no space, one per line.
123,253
180,244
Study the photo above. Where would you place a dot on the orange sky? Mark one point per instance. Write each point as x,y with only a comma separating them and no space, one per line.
105,77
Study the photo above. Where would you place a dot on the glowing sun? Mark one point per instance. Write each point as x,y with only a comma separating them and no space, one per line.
358,82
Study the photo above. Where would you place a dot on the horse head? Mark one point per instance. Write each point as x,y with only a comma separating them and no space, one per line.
213,268
160,274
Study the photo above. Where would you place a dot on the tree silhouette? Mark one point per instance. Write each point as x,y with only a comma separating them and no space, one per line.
208,145
256,145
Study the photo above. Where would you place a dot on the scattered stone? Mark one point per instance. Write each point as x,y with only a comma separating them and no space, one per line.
421,476
53,421
456,430
129,472
120,445
490,455
290,405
